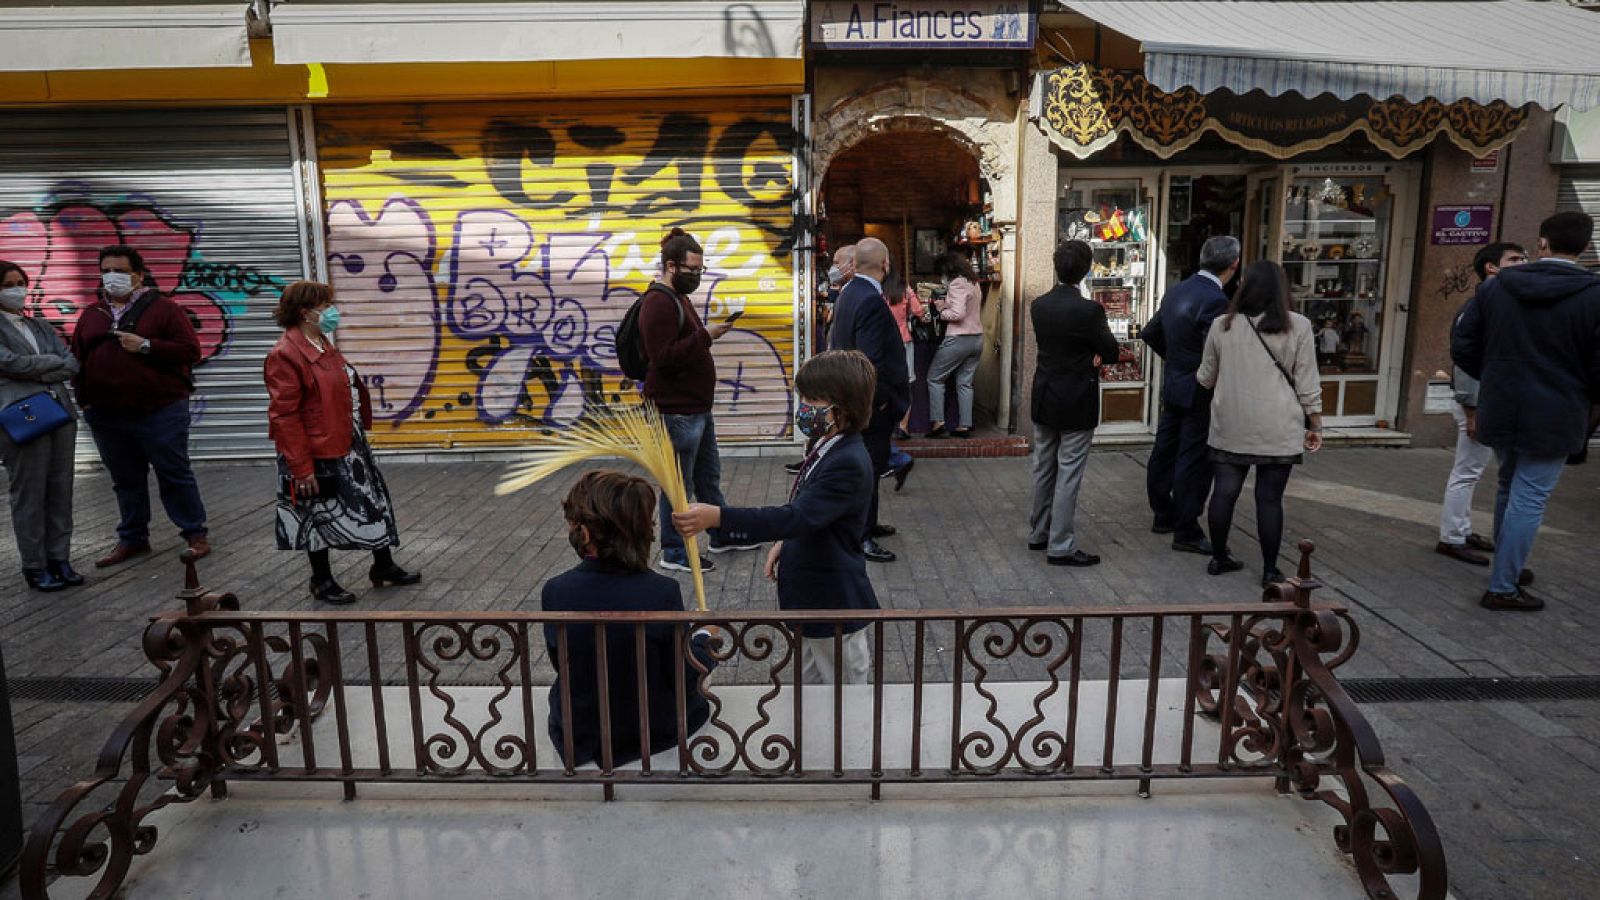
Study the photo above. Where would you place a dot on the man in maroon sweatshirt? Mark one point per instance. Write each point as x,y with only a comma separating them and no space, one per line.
682,383
135,348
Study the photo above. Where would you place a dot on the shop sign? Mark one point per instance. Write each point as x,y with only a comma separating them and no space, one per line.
1462,224
1485,164
922,24
1440,398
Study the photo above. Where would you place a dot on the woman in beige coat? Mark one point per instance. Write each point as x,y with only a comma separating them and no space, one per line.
1261,361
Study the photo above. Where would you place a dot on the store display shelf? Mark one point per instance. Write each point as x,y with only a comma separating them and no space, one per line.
1368,223
1325,262
1097,245
967,242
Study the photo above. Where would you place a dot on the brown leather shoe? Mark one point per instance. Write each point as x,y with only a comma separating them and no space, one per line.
1462,552
200,546
121,553
1521,601
1479,542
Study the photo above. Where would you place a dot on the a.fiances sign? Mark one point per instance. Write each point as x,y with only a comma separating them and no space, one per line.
922,24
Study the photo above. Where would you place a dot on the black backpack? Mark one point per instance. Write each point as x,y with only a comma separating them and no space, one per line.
631,356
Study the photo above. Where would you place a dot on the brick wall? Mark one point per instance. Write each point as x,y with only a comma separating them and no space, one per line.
921,177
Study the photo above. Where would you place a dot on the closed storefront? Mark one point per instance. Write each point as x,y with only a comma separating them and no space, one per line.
208,197
1580,190
484,256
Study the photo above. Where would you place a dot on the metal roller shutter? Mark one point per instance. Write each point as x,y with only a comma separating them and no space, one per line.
207,196
1580,190
484,255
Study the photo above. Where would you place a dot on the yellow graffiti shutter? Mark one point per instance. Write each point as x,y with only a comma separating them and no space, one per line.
484,255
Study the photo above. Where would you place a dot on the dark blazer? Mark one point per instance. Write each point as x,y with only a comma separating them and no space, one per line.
1178,335
1531,336
862,321
595,587
820,566
1071,331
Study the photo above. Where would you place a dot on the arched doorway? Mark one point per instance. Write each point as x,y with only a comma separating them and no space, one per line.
921,192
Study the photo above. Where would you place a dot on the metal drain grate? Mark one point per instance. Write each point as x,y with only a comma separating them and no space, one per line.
1469,690
1362,690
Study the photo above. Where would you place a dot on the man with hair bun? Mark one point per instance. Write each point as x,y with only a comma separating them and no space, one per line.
682,383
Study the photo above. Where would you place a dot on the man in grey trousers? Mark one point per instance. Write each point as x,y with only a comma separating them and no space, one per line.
1073,340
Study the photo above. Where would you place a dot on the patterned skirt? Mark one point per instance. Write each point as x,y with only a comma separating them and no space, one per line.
358,515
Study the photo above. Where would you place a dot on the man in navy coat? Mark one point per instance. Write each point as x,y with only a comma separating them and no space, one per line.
862,321
1178,477
1531,336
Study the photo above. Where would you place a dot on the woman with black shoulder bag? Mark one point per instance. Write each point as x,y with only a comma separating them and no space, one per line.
1260,359
330,492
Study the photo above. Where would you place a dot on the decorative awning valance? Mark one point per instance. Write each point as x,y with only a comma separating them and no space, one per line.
1083,108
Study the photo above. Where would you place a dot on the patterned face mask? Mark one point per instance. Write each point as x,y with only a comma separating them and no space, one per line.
813,421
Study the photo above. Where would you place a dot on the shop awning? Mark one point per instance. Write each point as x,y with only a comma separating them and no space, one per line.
1515,51
338,32
177,36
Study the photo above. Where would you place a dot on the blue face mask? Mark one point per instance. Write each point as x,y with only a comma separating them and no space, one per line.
813,421
328,321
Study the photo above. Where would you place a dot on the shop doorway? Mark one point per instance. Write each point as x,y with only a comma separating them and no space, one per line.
921,193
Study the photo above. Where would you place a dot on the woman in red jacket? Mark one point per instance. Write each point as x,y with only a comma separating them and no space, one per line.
330,493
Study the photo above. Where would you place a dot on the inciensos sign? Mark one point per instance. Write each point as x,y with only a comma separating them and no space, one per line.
925,24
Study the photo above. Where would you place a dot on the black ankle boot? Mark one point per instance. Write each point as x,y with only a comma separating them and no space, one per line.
43,580
64,571
327,590
392,574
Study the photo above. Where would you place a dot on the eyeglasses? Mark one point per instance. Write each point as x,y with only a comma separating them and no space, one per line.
698,270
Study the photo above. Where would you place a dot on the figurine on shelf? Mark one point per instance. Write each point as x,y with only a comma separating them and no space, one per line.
1328,341
1355,338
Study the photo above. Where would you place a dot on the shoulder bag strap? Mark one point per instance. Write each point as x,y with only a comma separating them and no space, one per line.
1274,357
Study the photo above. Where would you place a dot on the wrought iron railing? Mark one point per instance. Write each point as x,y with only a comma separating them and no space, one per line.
442,696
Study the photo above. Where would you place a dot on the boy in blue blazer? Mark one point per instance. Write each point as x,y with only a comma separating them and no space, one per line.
818,561
611,524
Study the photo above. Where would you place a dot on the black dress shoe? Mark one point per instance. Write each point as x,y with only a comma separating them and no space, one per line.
901,473
1038,545
961,433
1075,558
900,434
1201,547
43,580
1525,578
1223,565
879,531
875,553
392,574
937,432
1520,601
1162,528
329,591
794,467
1272,577
1479,542
64,571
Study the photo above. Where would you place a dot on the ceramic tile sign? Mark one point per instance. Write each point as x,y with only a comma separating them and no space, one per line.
922,24
1462,224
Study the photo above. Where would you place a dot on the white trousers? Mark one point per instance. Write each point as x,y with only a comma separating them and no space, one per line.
855,664
1455,522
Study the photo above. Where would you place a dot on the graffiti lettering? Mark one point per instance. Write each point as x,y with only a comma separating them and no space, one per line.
505,145
227,278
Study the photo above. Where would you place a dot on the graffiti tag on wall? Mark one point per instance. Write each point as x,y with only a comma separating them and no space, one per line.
59,244
483,274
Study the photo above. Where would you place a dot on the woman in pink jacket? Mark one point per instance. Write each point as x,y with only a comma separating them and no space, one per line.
959,352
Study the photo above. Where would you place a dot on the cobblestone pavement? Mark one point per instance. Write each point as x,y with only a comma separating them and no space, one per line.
1511,785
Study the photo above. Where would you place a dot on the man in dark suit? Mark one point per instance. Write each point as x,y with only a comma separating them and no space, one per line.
862,321
1178,477
1074,339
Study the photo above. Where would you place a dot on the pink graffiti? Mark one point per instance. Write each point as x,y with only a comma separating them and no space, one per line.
61,256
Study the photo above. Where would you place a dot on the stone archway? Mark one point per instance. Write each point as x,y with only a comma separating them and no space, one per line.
978,120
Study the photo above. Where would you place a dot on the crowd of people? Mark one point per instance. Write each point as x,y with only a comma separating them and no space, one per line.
1240,392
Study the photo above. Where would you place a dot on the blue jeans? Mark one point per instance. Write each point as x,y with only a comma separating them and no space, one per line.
133,443
694,437
1525,485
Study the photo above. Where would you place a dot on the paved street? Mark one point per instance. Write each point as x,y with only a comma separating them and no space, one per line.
1510,784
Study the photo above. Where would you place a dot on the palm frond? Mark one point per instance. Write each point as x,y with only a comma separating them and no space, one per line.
634,433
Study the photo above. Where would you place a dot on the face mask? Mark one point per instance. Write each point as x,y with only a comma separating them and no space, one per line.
686,282
835,275
813,421
12,298
116,284
328,321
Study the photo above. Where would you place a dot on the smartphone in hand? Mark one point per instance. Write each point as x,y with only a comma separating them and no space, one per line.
733,318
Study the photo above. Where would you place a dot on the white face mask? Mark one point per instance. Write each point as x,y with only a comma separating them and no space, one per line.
12,298
116,284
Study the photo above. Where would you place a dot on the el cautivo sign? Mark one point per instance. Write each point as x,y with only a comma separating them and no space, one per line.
922,24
